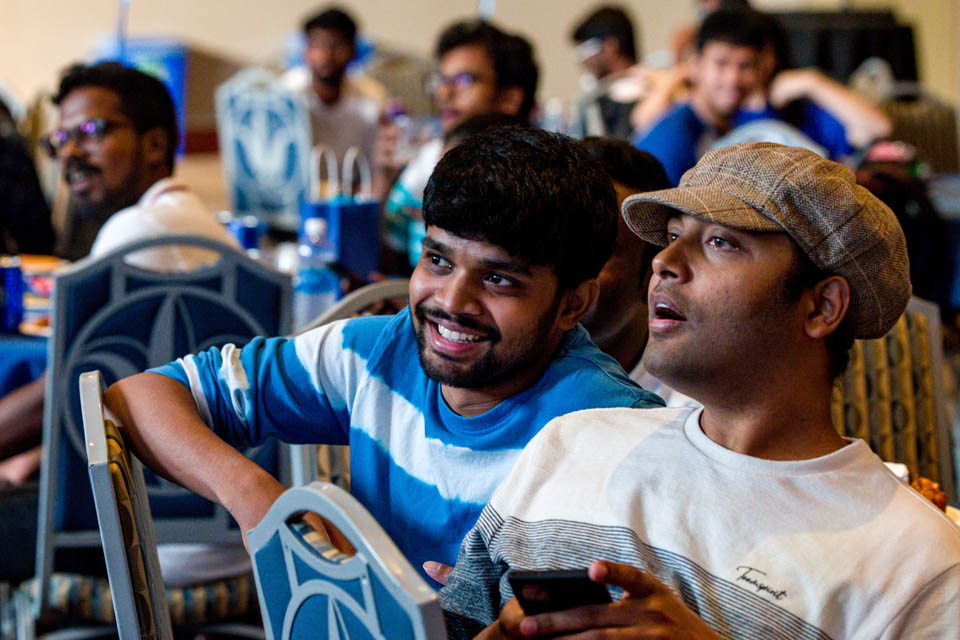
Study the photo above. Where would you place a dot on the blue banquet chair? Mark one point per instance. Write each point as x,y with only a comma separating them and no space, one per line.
113,316
308,589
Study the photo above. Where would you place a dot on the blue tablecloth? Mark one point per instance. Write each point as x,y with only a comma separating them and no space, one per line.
22,360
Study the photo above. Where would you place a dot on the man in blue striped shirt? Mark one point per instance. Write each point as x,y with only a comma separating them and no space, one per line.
519,224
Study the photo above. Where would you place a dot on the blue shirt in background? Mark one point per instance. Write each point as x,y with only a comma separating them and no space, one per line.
681,137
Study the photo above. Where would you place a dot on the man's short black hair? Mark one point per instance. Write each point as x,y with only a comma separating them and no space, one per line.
475,124
333,19
637,170
512,56
143,98
626,164
536,194
608,22
736,26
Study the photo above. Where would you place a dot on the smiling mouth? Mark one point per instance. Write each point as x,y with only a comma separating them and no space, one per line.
457,336
78,176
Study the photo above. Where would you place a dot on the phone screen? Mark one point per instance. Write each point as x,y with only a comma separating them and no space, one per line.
556,590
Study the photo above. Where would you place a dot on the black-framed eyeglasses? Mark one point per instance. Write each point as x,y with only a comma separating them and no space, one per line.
462,80
90,131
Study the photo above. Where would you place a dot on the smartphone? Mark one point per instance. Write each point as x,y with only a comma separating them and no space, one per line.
556,590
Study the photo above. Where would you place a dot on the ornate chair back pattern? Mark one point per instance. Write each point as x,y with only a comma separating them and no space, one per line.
310,590
891,395
121,319
265,139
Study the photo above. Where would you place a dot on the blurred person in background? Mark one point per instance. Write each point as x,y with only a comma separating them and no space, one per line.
736,58
617,321
482,70
344,113
116,141
25,225
606,49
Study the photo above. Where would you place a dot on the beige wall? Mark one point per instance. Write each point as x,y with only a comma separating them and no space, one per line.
936,26
41,36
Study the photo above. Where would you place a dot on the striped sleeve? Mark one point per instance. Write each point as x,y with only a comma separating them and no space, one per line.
471,597
294,389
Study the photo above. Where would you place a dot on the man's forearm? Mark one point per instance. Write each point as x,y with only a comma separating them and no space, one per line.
165,430
863,122
21,418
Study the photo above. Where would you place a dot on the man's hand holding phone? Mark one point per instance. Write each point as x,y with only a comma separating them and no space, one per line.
648,610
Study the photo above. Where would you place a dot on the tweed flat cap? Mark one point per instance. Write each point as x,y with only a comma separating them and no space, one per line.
762,187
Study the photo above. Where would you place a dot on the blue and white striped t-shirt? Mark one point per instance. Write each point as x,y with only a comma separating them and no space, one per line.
423,471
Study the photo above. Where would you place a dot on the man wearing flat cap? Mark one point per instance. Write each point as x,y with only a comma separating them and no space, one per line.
750,517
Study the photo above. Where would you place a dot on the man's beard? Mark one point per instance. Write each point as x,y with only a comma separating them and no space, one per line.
109,203
491,368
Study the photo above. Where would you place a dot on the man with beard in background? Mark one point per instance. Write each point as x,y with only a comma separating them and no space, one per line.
116,140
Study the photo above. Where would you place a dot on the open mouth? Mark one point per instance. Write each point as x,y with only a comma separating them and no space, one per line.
664,311
78,177
665,314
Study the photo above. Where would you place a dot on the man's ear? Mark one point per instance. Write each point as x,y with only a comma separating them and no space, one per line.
830,302
154,144
576,302
509,100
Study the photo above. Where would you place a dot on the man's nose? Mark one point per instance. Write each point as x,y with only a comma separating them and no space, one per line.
442,93
458,295
671,262
70,148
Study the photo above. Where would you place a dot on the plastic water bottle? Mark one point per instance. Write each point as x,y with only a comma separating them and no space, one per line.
315,287
407,139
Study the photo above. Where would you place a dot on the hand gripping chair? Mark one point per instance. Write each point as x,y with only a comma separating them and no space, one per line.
332,462
110,315
892,396
308,589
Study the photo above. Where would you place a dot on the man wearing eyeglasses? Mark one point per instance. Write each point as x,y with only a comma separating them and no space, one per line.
481,70
607,51
116,139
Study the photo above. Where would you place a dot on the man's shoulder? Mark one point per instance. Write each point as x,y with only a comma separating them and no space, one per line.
681,117
582,376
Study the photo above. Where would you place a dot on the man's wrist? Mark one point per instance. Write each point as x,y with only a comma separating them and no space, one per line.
249,498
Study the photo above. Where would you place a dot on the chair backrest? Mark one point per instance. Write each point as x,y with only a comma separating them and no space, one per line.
111,315
309,590
333,462
126,528
928,124
264,134
892,396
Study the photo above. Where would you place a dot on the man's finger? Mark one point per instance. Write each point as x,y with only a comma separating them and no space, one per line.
437,570
635,582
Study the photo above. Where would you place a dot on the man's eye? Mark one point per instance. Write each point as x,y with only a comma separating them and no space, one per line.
438,261
498,280
719,243
672,237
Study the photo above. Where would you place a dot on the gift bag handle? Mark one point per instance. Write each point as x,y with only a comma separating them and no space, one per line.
319,156
354,159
